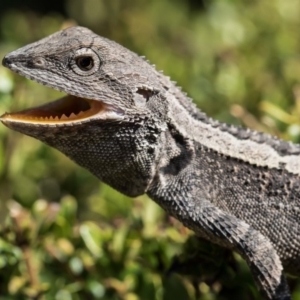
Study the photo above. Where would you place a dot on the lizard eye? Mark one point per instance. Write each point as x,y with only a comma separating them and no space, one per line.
85,62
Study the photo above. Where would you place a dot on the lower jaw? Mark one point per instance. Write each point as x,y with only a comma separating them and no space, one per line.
66,110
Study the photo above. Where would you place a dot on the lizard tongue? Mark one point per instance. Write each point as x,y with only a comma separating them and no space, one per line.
66,109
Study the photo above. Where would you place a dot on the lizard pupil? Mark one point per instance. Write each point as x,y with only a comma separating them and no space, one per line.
85,63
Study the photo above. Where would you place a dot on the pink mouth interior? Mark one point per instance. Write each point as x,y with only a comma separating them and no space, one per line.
68,108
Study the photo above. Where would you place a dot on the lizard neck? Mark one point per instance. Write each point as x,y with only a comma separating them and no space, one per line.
249,146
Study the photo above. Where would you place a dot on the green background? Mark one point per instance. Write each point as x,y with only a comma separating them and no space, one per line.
66,236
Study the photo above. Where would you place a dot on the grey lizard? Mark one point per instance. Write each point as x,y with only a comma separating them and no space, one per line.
134,129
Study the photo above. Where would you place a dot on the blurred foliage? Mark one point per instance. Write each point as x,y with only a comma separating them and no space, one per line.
66,236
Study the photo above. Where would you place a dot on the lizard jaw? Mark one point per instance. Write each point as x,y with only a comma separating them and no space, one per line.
69,109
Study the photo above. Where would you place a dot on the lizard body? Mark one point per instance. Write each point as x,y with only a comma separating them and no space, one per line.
134,129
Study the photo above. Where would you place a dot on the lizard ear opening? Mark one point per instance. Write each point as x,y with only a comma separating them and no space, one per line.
142,95
66,109
145,93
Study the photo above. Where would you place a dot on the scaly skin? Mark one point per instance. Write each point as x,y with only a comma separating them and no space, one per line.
235,187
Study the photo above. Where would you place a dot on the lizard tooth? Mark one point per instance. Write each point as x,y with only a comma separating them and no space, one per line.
56,118
72,115
64,117
51,118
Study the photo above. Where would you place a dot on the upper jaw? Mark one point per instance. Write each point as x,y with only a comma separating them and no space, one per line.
69,110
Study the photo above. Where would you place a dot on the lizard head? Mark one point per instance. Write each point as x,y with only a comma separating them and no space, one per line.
109,121
99,76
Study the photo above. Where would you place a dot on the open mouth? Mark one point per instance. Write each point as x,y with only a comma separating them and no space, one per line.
68,109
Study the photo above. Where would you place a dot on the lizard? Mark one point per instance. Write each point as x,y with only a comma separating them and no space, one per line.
134,129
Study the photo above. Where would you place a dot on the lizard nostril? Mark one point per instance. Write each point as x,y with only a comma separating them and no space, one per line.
6,61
